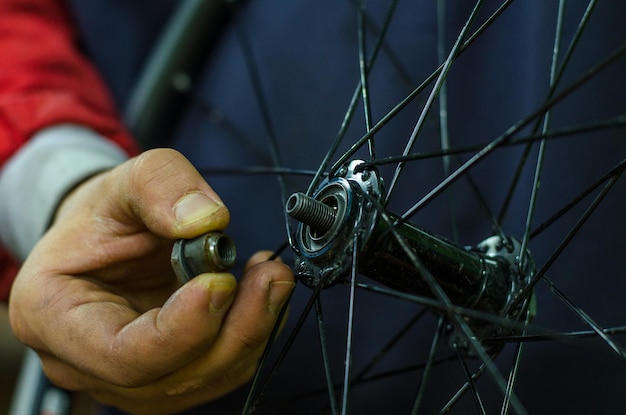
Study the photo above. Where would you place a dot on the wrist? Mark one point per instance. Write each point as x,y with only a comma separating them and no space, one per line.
38,177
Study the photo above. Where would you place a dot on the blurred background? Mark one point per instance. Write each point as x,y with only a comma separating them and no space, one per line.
11,352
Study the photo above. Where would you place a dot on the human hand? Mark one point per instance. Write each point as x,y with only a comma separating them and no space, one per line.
98,301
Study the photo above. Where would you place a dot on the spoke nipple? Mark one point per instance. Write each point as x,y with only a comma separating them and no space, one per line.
319,216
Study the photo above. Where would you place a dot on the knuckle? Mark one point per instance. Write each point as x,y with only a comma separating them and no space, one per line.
252,341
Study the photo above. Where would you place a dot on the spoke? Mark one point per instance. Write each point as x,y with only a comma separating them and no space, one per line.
252,398
389,345
515,181
363,71
216,117
353,102
437,305
515,368
580,313
507,135
389,52
427,369
325,358
555,79
582,25
495,224
561,336
257,390
523,294
444,133
459,394
281,248
447,65
381,375
470,382
542,145
348,360
418,90
254,171
614,173
567,133
261,99
413,368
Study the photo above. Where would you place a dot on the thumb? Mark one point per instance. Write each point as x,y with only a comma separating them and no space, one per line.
162,190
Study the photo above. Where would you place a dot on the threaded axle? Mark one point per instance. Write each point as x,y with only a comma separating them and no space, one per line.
317,215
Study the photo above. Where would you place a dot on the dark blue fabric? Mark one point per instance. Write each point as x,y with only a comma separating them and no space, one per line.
308,70
119,35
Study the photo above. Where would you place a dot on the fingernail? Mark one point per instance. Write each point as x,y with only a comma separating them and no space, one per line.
279,292
222,295
195,206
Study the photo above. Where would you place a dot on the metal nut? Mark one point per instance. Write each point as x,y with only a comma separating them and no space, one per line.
211,252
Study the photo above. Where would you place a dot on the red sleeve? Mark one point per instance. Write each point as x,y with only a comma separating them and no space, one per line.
45,80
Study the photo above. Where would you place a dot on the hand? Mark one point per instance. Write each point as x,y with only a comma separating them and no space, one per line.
99,303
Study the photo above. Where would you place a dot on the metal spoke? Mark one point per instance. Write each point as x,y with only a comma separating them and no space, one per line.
353,102
447,65
428,368
542,144
507,135
560,336
363,72
256,389
614,173
555,79
438,306
515,368
252,398
470,381
255,171
348,361
523,294
325,357
581,314
462,390
566,133
262,102
216,117
347,155
389,345
444,133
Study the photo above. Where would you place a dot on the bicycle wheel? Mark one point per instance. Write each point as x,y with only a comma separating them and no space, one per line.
444,277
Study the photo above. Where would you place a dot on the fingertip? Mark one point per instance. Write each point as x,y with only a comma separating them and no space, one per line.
260,257
165,193
274,278
221,289
197,212
279,293
199,306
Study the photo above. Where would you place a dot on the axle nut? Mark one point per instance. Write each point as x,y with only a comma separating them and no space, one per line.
211,252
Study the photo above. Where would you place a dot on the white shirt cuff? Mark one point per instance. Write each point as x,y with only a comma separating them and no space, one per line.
33,181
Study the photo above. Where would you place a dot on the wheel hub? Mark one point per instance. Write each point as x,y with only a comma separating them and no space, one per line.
342,215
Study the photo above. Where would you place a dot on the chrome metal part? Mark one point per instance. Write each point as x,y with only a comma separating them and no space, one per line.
318,215
323,247
211,252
